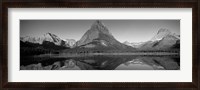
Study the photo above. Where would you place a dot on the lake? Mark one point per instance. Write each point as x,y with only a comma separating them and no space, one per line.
100,62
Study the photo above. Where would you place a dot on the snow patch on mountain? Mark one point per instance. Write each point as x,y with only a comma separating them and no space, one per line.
70,42
99,35
50,38
163,32
164,39
46,37
133,44
97,29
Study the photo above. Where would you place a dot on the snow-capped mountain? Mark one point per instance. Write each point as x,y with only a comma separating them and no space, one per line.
163,32
53,38
30,39
70,42
98,36
48,37
96,30
164,39
133,44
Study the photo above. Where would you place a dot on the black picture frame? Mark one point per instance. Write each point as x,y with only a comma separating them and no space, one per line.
194,4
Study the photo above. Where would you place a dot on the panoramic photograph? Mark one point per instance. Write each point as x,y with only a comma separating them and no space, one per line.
99,44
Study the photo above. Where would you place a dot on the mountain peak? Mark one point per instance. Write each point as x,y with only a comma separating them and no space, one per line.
98,36
97,23
163,30
126,42
96,31
48,33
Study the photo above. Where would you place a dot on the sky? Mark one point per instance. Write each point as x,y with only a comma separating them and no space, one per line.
122,30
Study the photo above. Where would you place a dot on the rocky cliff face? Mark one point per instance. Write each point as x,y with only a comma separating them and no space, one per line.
162,33
164,39
99,36
49,37
46,37
96,31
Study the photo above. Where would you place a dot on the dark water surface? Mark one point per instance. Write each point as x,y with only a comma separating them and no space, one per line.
103,62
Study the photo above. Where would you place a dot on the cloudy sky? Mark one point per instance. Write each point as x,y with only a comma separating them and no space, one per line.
122,30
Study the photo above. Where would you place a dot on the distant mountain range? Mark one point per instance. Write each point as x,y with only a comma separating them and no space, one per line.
51,38
98,37
164,39
134,44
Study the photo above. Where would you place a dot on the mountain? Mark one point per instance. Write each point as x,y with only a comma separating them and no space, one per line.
46,37
70,42
49,38
133,44
163,40
99,37
47,43
164,33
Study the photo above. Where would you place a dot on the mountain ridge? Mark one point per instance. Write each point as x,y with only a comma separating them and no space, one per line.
164,39
49,37
98,36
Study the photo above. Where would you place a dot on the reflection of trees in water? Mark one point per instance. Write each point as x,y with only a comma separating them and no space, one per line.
65,64
168,63
110,63
104,62
107,63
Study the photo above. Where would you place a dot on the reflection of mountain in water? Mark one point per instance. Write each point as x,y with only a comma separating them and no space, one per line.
109,63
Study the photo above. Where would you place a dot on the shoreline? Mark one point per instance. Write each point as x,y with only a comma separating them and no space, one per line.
66,55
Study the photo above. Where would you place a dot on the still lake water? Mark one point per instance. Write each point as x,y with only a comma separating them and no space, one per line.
108,62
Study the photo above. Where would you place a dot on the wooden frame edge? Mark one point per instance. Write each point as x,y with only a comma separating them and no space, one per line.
7,84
